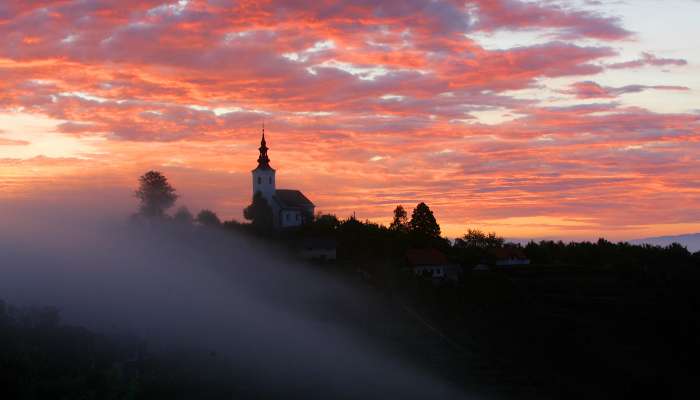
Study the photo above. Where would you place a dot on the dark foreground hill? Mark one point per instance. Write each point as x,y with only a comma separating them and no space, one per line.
218,316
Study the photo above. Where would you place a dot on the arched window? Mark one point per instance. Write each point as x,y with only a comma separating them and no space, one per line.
259,180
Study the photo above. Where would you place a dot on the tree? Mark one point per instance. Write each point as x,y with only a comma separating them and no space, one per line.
208,218
477,239
423,222
259,213
400,222
155,193
324,224
183,216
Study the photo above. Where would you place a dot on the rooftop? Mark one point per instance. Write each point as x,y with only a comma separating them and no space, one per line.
417,257
292,198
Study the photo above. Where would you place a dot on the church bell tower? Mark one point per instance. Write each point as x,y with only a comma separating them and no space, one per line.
264,174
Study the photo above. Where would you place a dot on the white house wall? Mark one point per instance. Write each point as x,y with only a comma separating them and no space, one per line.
290,218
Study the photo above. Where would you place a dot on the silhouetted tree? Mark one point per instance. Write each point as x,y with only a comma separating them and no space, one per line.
183,216
259,213
400,222
423,222
323,224
155,193
208,218
477,239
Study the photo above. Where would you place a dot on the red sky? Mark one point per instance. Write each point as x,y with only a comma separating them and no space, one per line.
566,119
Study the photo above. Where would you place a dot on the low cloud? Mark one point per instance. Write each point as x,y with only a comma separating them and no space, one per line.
277,322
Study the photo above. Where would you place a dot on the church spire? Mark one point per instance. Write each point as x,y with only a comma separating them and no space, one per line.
263,159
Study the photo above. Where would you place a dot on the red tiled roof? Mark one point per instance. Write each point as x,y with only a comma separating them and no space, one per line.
509,253
416,257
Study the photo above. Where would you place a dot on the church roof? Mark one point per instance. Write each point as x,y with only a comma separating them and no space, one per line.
292,199
264,167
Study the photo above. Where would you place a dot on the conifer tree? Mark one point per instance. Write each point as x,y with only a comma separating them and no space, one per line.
423,222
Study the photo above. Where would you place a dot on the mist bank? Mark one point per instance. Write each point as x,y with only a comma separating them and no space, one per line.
204,290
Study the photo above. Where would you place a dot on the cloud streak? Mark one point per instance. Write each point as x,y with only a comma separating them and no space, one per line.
592,90
211,293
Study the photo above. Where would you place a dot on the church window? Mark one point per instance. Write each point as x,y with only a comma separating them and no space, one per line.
259,180
270,179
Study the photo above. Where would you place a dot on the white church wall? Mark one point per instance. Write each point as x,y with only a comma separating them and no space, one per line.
290,218
264,182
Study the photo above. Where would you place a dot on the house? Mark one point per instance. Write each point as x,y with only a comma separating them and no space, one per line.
318,249
510,256
433,264
290,208
481,268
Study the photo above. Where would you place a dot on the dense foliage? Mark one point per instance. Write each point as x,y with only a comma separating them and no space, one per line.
155,194
259,213
183,216
400,222
208,218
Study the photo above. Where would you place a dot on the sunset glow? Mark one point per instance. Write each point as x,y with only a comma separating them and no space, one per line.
567,119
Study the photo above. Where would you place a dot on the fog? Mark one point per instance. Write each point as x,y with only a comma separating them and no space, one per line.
206,290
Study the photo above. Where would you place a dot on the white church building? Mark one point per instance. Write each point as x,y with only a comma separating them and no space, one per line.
290,208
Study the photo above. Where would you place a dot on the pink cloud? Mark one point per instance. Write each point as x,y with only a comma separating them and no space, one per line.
648,59
338,84
515,14
592,90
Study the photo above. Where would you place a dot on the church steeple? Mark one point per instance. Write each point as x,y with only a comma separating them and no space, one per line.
264,174
263,159
289,208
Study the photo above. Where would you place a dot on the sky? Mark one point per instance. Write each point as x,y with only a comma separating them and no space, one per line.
558,119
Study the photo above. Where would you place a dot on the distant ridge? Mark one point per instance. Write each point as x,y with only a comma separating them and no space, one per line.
691,241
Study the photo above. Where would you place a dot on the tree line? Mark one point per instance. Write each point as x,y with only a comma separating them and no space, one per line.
156,195
387,244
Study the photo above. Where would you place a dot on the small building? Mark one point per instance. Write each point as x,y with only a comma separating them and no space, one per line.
290,208
318,249
433,264
510,256
481,268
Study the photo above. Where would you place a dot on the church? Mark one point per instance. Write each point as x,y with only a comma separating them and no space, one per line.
290,208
